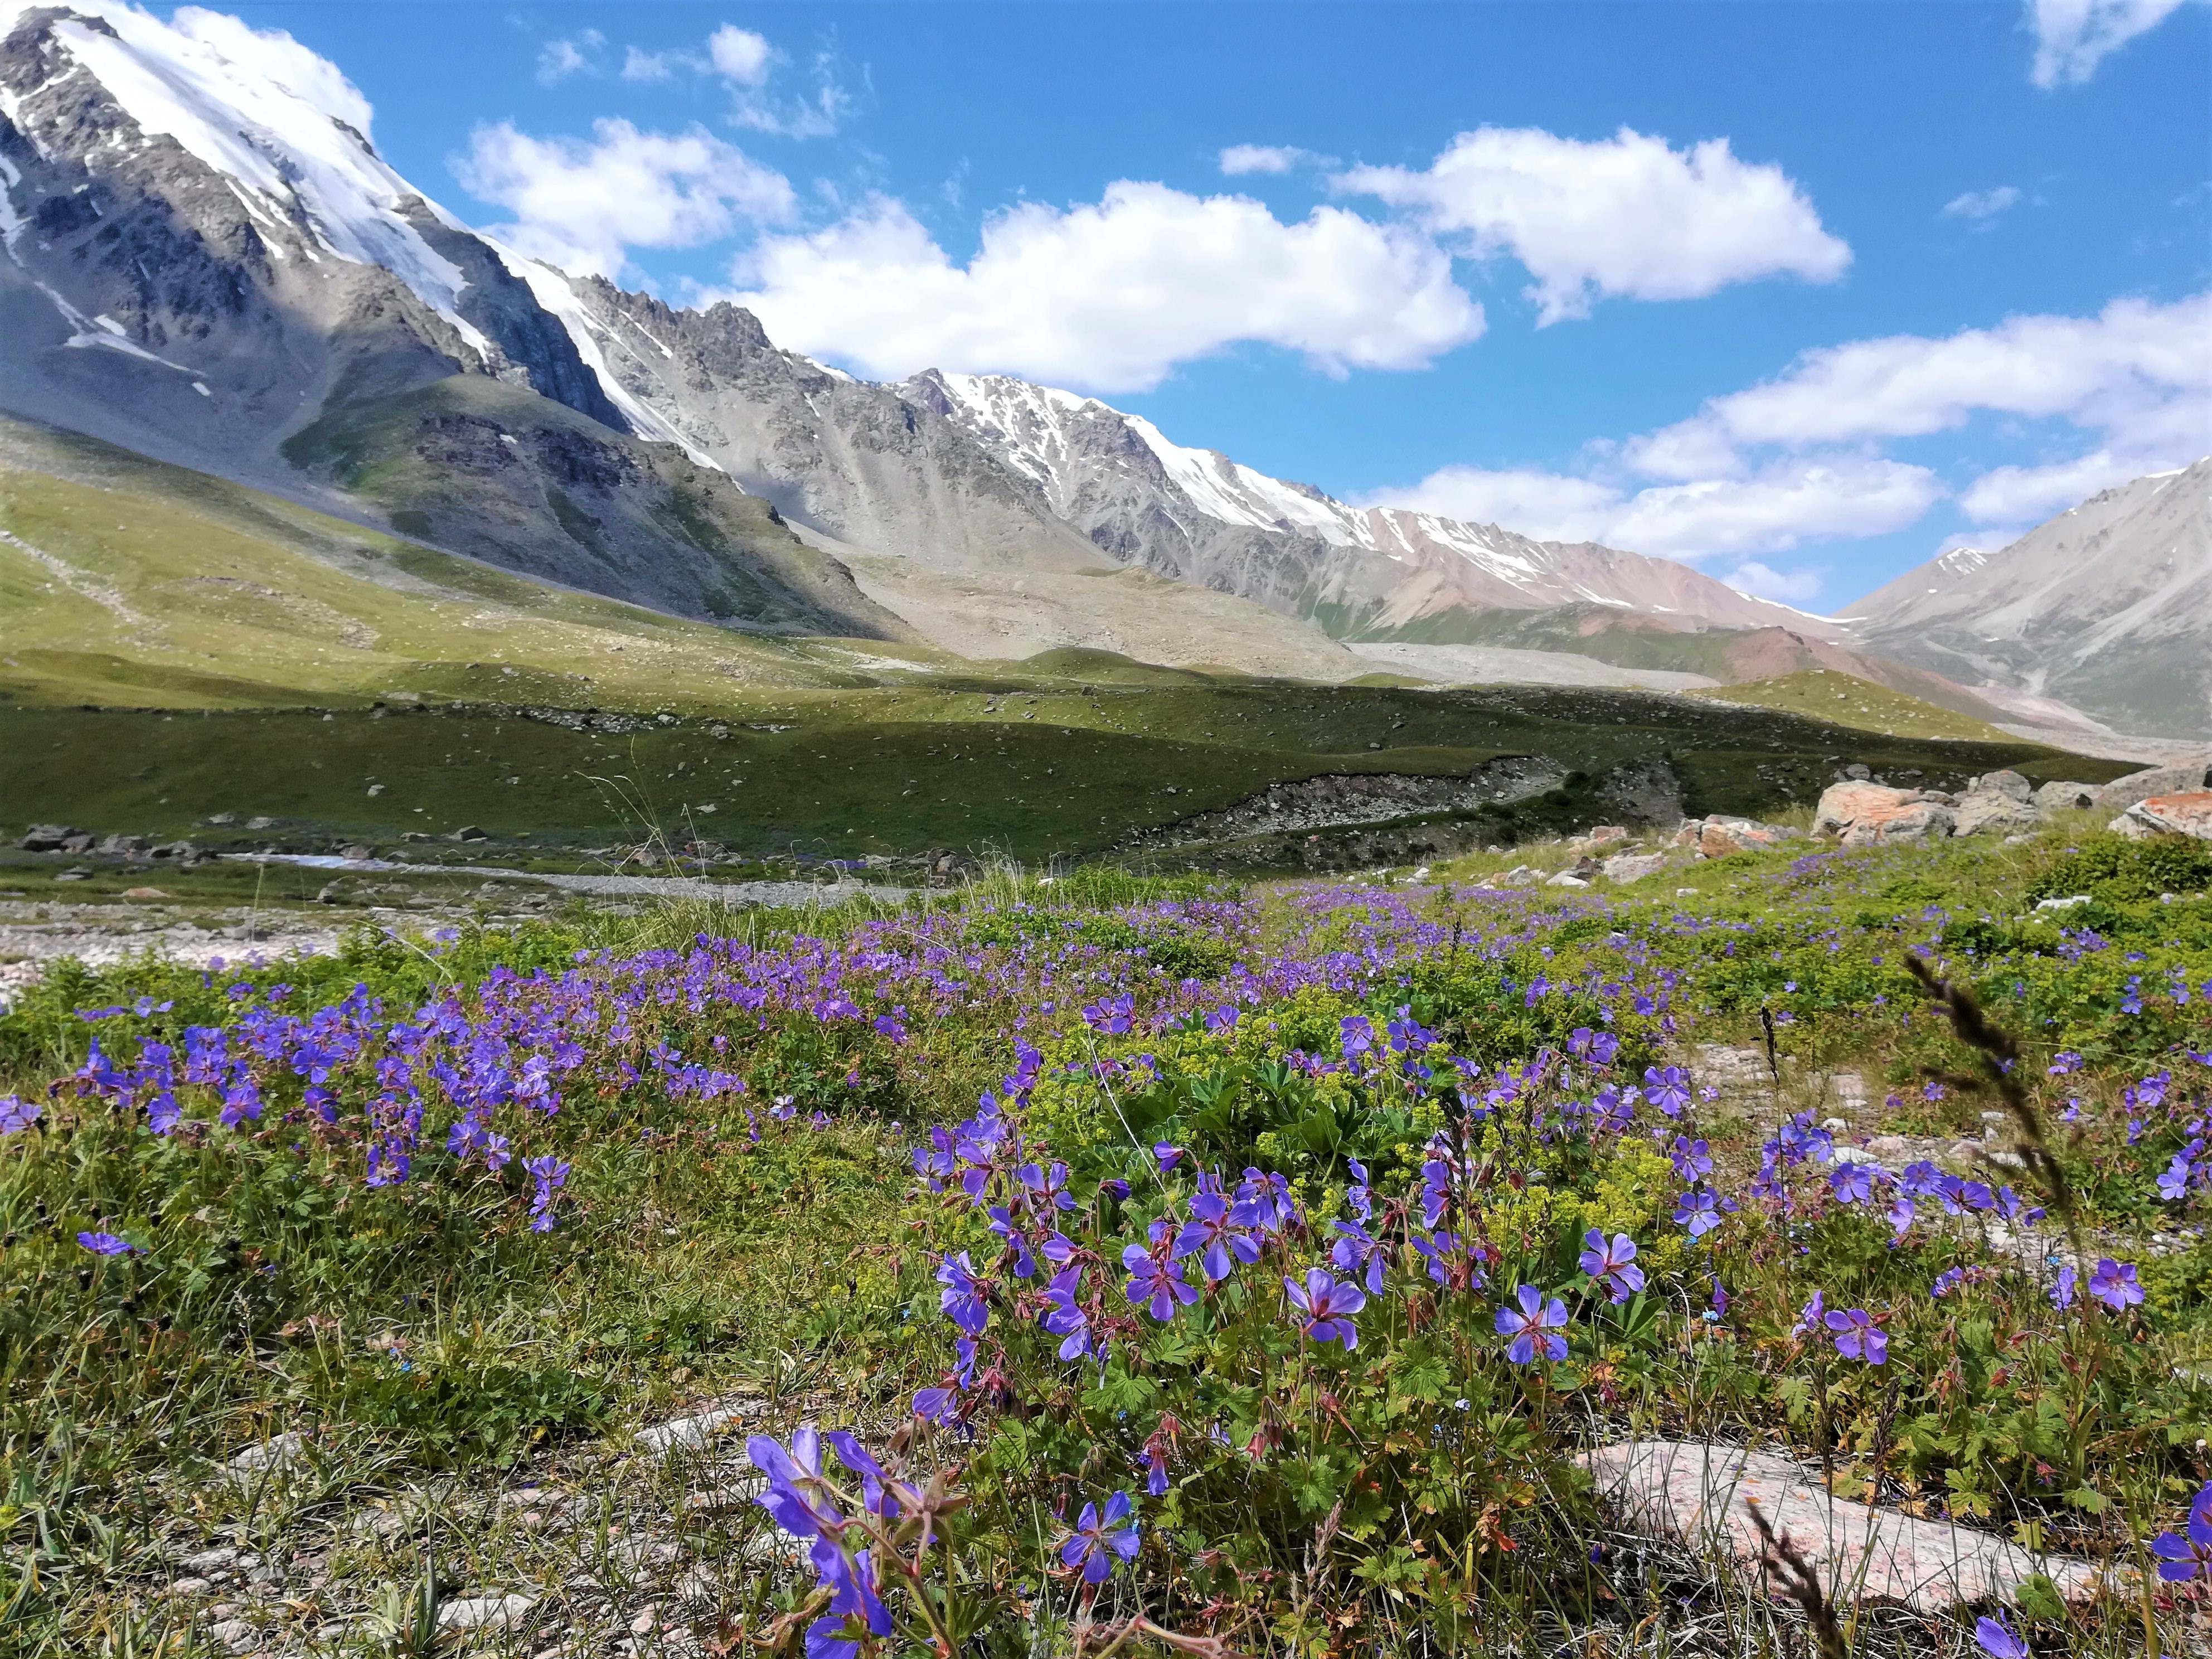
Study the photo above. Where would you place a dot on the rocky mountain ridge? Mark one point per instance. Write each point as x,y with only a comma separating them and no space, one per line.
2108,606
208,262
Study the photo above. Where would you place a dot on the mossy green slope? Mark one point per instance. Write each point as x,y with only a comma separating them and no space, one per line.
1825,694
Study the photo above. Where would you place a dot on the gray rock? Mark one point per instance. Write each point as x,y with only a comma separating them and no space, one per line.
2178,778
220,1559
1566,879
48,838
2183,814
285,1449
1987,812
485,1611
1625,867
2065,797
686,1431
236,1634
191,1587
2010,785
1919,821
1703,1494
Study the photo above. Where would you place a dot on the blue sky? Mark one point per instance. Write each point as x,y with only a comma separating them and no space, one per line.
1550,264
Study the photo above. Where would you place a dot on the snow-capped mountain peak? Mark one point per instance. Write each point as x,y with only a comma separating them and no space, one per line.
1186,511
284,130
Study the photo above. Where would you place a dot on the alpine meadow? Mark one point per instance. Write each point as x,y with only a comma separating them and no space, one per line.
702,957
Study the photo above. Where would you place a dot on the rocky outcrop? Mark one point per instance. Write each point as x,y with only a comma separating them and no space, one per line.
2065,797
2000,803
1861,813
1336,800
2188,814
1913,821
1719,835
2176,777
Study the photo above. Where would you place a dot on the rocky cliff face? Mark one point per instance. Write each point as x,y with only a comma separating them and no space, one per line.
2108,607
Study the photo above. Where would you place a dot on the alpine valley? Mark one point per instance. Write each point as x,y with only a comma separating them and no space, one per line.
354,443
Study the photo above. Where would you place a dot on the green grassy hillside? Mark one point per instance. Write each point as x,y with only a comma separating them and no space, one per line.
1048,770
1843,699
126,581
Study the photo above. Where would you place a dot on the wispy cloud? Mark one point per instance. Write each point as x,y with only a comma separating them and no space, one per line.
2072,36
1979,207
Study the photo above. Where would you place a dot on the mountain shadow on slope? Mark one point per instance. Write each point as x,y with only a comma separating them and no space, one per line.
498,473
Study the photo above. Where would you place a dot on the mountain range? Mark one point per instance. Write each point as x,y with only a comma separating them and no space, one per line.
208,263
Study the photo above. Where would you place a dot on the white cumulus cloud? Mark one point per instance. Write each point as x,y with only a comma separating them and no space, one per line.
1793,587
582,205
1627,216
1800,459
1979,206
1109,297
2138,376
740,55
2072,36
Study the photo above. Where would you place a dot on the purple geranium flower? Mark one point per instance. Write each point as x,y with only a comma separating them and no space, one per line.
961,1298
2185,1555
1856,1335
798,1497
1097,1539
1536,1323
1667,1088
105,1244
2114,1284
1159,1283
1327,1303
1613,1265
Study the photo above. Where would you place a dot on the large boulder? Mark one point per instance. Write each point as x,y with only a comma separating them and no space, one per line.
1997,808
2065,797
2008,785
1625,867
1906,821
2186,814
2175,778
1843,805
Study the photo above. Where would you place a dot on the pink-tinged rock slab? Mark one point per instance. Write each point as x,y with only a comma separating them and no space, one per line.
2189,814
1841,804
1702,1494
1919,820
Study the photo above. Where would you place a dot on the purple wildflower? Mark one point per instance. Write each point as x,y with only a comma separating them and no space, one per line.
1328,1305
961,1298
1613,1265
1098,1538
2114,1284
1856,1335
1537,1322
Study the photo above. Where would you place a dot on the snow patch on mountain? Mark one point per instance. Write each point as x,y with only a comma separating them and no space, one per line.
553,290
290,155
